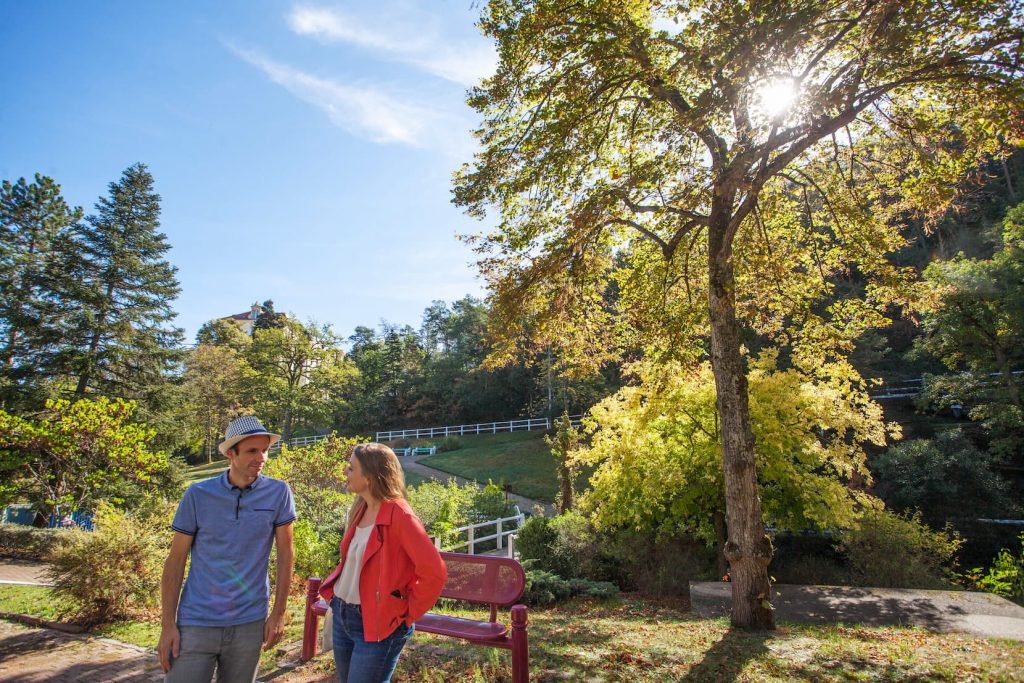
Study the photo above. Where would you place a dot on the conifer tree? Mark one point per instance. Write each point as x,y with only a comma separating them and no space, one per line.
122,342
34,220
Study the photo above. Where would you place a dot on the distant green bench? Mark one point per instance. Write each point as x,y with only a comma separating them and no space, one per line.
422,450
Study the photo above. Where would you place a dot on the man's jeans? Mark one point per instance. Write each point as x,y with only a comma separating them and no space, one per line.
233,650
358,661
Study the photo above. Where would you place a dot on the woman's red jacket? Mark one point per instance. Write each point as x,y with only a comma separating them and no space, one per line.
402,574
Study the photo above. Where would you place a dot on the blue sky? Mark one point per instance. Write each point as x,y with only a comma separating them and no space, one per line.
303,151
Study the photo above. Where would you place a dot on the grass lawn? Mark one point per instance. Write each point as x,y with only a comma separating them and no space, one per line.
200,472
413,479
520,459
641,641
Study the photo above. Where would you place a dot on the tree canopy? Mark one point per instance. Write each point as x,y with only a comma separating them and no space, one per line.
740,158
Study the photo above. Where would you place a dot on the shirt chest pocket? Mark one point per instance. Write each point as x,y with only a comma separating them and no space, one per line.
260,517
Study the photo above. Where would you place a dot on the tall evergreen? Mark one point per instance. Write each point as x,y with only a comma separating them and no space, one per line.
34,222
122,342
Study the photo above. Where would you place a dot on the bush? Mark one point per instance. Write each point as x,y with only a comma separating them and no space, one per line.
535,540
1005,577
490,503
808,558
315,554
888,550
443,507
449,443
656,564
114,571
30,543
936,476
545,588
316,475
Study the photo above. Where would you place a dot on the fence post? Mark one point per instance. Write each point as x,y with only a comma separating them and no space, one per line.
499,534
472,543
437,542
310,627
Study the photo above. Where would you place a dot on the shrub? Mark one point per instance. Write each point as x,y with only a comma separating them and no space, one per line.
1005,577
316,554
442,507
114,571
30,543
316,475
535,540
449,443
888,550
490,503
547,588
656,564
935,476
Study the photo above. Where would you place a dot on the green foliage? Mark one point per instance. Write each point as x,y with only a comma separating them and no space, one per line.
114,571
1005,577
78,454
213,387
564,444
316,475
659,467
449,443
535,539
120,341
887,550
316,554
567,545
544,588
975,325
490,503
30,543
443,507
35,224
938,476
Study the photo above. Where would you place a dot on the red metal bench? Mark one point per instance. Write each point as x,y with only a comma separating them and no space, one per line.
479,579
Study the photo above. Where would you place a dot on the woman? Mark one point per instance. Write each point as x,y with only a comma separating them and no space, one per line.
390,573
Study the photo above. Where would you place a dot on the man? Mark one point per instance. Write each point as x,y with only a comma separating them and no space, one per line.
228,525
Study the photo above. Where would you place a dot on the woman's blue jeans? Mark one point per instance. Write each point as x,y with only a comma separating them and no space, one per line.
358,661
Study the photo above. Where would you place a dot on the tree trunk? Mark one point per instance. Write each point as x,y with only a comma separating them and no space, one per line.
748,550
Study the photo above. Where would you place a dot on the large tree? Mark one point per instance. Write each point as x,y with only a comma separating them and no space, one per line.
34,224
122,342
746,152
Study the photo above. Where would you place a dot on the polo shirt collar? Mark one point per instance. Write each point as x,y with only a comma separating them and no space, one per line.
226,483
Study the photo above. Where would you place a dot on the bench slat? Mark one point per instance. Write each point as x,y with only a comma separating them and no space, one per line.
457,627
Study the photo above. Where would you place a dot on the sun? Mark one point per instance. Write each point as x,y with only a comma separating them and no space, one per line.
776,97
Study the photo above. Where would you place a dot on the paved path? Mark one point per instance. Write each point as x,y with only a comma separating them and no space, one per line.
980,614
413,464
26,572
34,655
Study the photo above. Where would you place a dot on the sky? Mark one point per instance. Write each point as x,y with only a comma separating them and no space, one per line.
303,150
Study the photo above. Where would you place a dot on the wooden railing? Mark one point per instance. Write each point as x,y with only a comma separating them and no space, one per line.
504,527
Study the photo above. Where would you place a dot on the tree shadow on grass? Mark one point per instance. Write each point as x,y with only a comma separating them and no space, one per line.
725,660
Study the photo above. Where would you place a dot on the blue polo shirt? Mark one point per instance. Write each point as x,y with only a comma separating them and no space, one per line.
232,532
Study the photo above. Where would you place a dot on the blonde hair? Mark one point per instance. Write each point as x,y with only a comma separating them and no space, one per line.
381,467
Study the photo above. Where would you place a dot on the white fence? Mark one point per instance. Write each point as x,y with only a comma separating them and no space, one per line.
524,425
504,527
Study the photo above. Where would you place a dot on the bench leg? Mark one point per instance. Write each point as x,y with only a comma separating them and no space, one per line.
520,646
309,626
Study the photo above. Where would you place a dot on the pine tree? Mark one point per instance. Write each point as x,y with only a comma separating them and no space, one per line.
34,221
122,342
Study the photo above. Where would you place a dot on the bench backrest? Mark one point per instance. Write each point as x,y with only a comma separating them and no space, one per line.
483,579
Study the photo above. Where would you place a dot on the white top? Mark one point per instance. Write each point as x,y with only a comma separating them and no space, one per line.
347,586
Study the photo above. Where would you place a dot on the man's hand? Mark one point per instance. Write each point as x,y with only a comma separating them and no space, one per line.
273,630
170,645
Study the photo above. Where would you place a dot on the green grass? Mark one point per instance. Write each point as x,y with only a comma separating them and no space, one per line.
642,641
412,479
520,459
205,471
35,601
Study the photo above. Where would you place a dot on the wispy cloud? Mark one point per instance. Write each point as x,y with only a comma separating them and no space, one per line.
363,111
401,37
